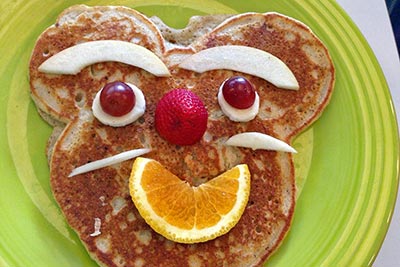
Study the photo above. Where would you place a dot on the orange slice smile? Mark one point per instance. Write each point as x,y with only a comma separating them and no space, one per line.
187,214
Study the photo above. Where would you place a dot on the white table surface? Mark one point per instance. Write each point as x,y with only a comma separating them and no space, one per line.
371,17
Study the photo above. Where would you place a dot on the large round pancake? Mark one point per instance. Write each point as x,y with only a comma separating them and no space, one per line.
125,239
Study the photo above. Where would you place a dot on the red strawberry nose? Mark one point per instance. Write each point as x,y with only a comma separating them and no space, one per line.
181,117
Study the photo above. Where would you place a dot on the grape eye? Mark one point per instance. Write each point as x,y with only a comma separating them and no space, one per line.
238,99
118,104
239,92
117,99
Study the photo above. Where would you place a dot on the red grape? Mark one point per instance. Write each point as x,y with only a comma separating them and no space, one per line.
239,92
117,99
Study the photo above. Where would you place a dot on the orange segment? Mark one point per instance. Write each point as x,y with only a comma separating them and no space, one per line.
155,176
187,214
222,201
206,213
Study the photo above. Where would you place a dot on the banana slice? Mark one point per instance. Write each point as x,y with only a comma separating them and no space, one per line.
245,59
255,140
73,59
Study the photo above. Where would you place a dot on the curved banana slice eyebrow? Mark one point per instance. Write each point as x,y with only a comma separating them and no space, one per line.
255,140
245,59
73,59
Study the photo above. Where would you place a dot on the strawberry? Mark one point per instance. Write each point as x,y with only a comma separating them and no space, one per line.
181,117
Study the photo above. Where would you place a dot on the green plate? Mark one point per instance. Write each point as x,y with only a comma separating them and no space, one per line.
349,156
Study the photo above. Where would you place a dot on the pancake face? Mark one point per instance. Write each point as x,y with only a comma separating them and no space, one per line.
103,195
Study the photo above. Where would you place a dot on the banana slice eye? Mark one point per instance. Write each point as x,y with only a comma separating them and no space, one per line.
117,99
238,99
119,104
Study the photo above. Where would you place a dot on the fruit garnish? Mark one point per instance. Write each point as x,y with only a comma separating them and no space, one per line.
244,59
117,99
73,59
181,117
115,159
184,213
255,140
238,114
239,92
112,105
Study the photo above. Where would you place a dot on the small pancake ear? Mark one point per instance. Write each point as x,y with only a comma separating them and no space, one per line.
299,48
63,97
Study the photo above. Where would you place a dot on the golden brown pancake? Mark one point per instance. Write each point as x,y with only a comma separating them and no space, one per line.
103,195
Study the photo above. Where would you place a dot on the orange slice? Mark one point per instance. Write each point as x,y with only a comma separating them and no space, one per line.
184,213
